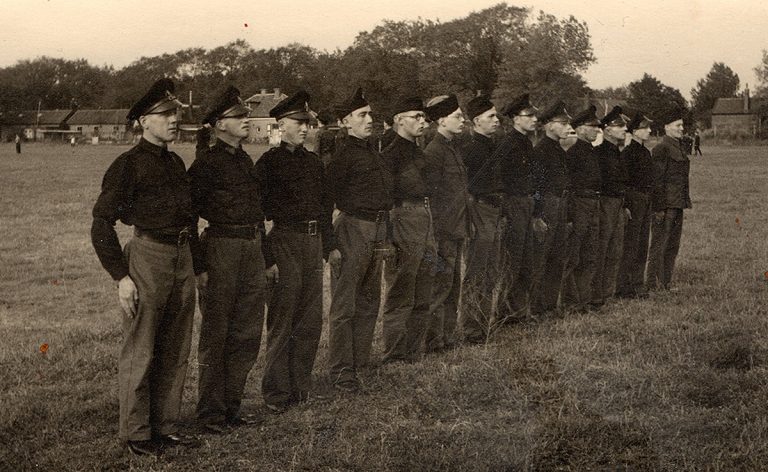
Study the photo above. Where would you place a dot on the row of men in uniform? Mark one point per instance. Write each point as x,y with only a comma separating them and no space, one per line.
415,209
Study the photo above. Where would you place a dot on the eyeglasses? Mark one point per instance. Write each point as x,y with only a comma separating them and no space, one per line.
417,116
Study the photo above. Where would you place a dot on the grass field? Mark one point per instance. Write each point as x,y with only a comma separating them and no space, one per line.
675,382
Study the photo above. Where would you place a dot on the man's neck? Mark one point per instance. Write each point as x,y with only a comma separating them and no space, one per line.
477,131
552,135
291,147
611,140
233,141
446,134
404,135
638,140
154,140
520,130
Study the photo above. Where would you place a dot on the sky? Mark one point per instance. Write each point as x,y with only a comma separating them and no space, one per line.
675,41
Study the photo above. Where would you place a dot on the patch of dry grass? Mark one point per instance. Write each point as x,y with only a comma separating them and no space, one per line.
674,382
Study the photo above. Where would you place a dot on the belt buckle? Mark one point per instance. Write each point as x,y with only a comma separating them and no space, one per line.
183,237
381,216
426,202
312,227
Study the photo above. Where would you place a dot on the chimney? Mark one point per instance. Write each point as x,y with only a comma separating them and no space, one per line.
263,91
277,92
746,99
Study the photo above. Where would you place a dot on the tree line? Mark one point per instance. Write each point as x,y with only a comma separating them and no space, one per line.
502,50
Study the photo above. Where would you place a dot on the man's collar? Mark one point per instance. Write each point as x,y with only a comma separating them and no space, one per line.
152,148
287,146
226,147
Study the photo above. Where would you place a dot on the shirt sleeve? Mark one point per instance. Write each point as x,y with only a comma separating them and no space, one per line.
201,188
659,158
113,203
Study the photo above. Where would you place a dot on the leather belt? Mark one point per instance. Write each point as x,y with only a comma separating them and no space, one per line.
375,216
414,202
249,232
586,193
168,236
492,200
309,227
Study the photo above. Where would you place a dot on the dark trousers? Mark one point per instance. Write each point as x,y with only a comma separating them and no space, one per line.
356,296
584,214
18,148
230,332
481,273
631,279
409,284
610,245
294,316
156,342
446,288
517,256
549,256
665,243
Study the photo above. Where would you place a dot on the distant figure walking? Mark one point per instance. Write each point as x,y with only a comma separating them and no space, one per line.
17,140
697,144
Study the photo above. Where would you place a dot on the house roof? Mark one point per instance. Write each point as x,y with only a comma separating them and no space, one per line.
735,106
46,117
113,116
262,103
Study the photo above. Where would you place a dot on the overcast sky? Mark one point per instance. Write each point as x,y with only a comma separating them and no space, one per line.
676,41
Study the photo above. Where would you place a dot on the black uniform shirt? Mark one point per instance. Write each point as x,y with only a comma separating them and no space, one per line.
583,167
146,187
639,167
406,161
613,169
671,175
482,165
448,182
515,153
550,172
360,179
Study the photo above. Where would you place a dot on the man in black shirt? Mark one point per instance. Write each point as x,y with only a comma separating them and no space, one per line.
225,192
550,183
295,198
409,281
362,192
613,212
631,279
147,187
485,244
583,211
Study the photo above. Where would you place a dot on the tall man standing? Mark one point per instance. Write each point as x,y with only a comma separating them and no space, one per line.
450,210
362,192
515,153
631,279
613,212
294,197
147,187
225,192
670,197
585,179
550,180
484,247
409,281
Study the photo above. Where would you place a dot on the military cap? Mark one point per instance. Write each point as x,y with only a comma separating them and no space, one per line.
158,99
478,106
295,107
613,118
639,121
556,112
442,108
227,105
355,101
327,116
519,106
587,117
672,115
408,104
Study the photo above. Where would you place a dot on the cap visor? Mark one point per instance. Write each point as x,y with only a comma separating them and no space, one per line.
162,107
299,116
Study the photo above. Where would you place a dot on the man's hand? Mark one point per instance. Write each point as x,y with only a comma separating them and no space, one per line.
128,295
540,227
202,283
659,216
272,274
334,259
629,213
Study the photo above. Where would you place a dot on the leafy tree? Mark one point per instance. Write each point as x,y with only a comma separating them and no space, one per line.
721,81
655,99
761,71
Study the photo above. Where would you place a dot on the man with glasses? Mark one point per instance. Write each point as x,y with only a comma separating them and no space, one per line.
613,212
483,253
230,276
147,188
409,280
670,197
583,211
295,198
450,210
362,192
550,184
514,154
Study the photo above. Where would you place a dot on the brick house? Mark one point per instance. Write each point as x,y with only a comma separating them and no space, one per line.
743,113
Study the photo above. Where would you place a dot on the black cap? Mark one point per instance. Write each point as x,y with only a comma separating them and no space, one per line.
326,116
639,121
295,107
227,105
672,115
443,108
519,106
556,112
613,118
408,104
158,99
478,106
355,101
587,117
